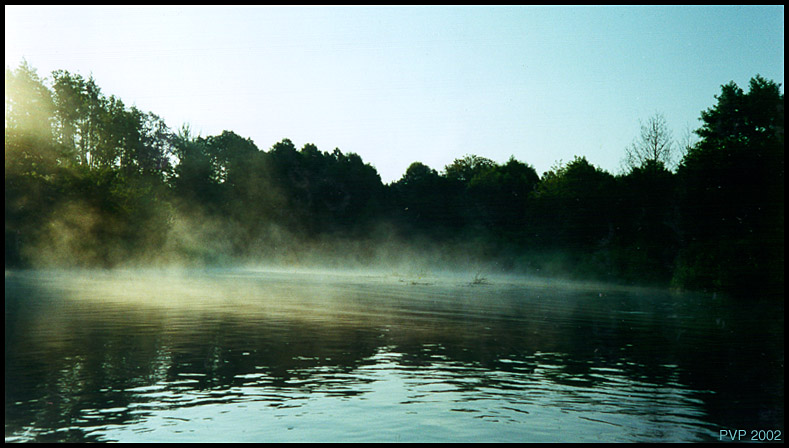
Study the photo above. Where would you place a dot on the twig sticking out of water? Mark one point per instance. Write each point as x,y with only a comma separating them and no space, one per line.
479,280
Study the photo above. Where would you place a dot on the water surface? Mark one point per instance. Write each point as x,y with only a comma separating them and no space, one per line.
257,356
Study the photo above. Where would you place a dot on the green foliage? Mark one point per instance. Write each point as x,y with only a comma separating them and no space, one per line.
474,193
103,219
149,155
228,153
29,118
196,179
731,192
324,191
647,233
423,200
91,182
83,173
500,195
29,106
574,206
464,169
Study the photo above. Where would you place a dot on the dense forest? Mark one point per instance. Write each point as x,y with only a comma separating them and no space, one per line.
91,182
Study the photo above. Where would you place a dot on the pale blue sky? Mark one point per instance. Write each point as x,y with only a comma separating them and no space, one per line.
422,83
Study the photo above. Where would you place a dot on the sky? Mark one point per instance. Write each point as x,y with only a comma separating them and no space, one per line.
398,85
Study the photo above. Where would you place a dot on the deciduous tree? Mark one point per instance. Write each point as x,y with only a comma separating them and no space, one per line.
654,144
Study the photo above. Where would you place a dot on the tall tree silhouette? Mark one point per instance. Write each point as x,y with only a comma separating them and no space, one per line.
654,144
732,196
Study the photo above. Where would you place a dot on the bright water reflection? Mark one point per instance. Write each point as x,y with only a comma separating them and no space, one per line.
253,356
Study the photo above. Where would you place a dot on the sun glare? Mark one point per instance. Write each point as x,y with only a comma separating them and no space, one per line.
13,37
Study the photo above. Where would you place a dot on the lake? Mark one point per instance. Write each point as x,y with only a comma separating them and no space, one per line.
245,355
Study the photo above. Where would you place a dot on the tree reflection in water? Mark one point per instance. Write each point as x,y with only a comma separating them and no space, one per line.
100,357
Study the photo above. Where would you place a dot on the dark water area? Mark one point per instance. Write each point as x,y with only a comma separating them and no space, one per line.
257,356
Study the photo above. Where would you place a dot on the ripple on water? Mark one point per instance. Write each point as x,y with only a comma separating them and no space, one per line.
252,358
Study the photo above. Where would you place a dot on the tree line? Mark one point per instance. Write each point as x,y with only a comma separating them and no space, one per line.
90,181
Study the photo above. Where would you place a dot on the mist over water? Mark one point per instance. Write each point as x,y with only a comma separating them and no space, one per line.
189,288
378,355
